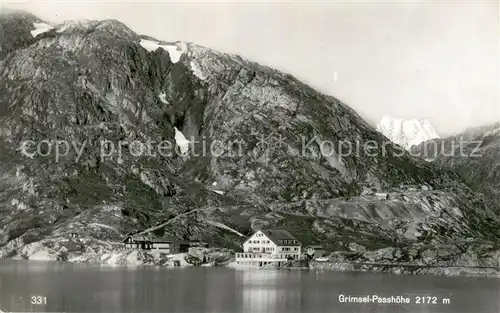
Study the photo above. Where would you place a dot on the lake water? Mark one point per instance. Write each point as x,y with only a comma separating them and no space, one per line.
60,287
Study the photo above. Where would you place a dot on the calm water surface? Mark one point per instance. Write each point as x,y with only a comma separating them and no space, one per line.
86,288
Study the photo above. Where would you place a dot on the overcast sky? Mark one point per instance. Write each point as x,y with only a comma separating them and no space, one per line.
435,60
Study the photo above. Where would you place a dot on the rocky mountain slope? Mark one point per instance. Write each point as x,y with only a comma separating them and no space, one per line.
474,154
434,148
104,132
406,132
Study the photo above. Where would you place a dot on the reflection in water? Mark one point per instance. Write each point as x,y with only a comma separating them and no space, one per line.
221,292
90,289
259,290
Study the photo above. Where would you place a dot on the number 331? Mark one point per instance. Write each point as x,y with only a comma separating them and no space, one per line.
38,300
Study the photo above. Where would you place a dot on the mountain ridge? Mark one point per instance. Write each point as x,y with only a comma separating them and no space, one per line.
96,83
473,153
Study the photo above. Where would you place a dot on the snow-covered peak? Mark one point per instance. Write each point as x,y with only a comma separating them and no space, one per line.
406,132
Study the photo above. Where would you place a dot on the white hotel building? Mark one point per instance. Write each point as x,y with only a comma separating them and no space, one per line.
269,246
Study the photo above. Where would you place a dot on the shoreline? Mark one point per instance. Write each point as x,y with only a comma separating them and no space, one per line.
393,269
480,260
409,269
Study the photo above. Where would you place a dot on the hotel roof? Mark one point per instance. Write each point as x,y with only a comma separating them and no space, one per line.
279,235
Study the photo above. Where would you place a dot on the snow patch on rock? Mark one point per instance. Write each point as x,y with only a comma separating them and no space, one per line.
163,98
197,70
99,225
40,28
62,29
181,141
220,225
174,51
